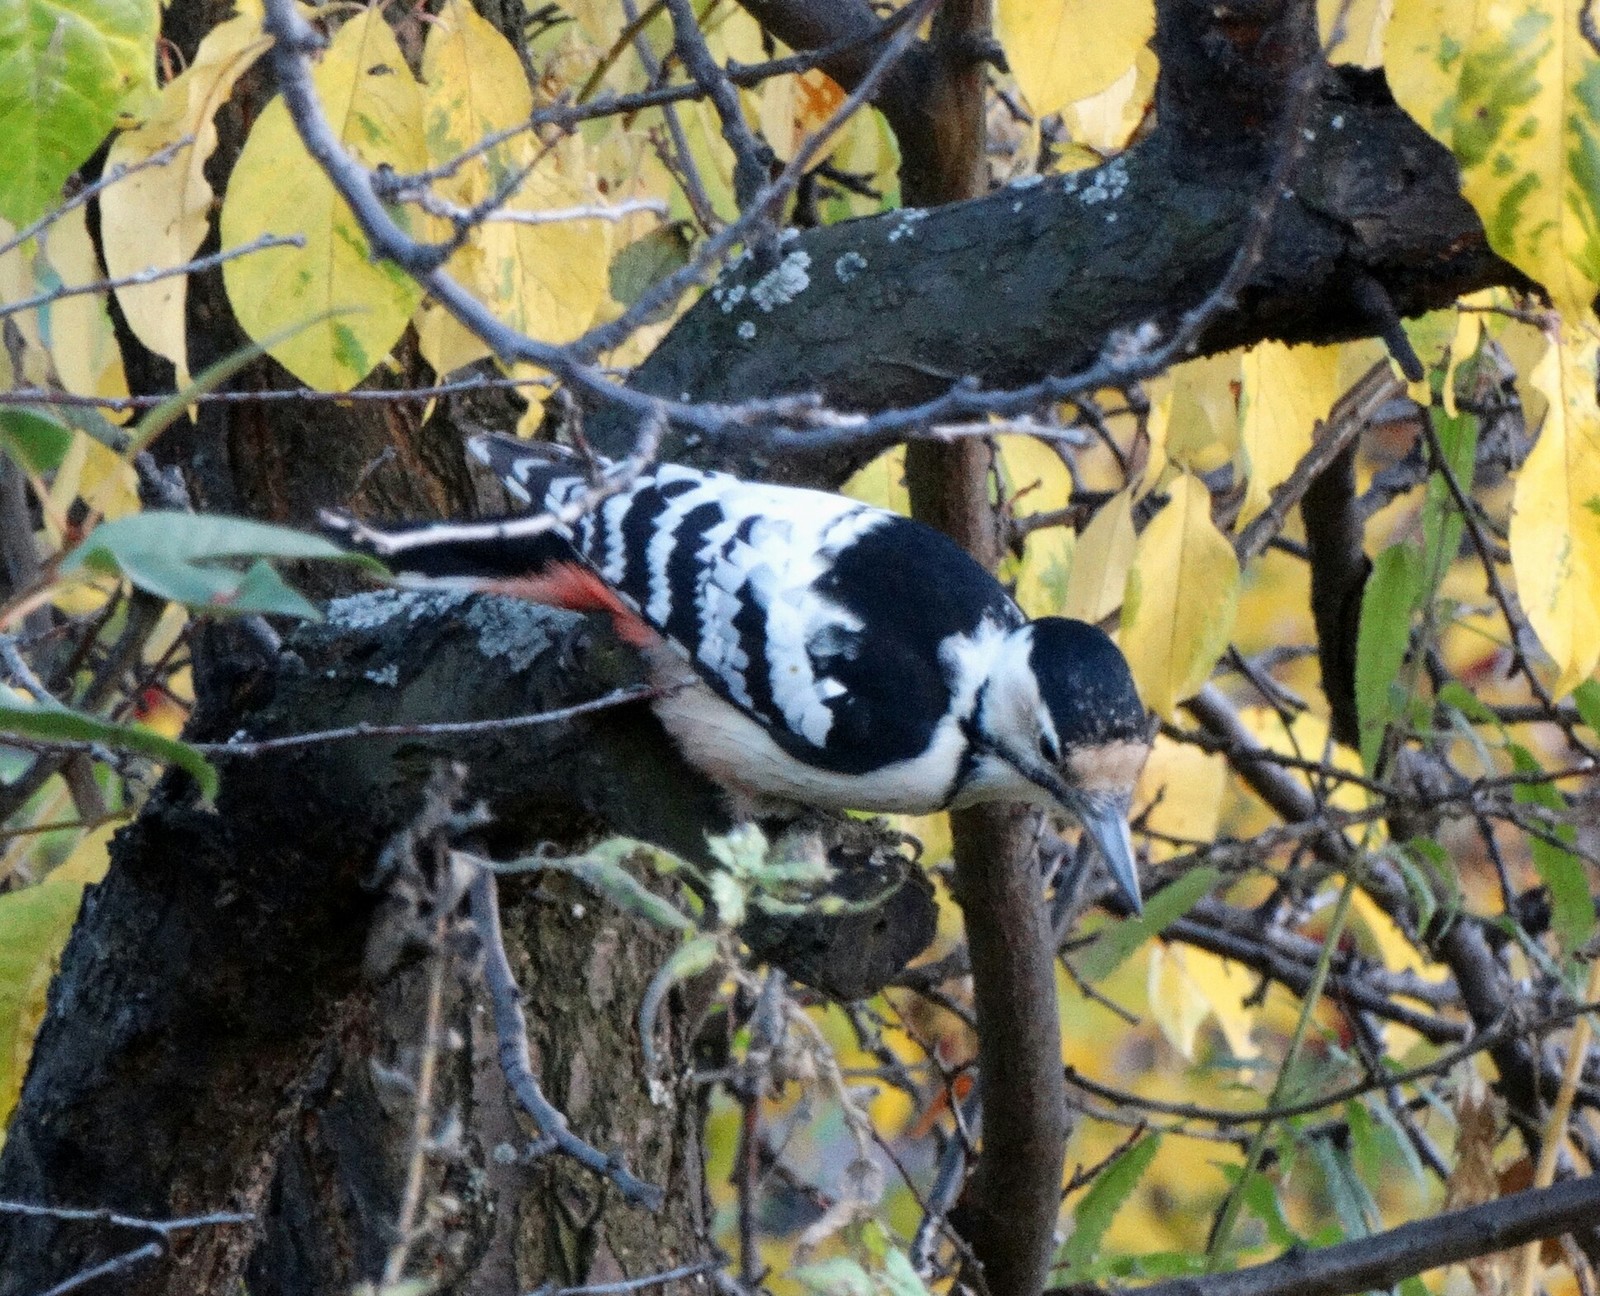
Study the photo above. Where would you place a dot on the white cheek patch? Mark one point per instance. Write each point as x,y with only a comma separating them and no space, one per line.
1110,768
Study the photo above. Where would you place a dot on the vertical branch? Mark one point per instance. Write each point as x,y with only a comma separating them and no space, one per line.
1008,1214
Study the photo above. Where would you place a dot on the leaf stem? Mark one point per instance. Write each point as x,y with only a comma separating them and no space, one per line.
1216,1247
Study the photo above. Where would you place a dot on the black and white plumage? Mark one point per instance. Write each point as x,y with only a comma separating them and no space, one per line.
814,649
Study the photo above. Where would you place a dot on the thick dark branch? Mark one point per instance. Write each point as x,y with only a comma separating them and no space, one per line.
224,952
1032,281
1379,1262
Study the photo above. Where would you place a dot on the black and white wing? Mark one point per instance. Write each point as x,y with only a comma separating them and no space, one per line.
820,616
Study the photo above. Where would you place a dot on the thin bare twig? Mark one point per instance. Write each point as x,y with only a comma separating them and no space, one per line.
436,729
511,1030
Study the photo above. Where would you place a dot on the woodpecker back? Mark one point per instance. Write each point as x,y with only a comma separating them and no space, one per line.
843,656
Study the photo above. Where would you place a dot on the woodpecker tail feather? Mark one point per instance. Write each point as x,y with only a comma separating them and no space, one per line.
521,557
526,468
496,548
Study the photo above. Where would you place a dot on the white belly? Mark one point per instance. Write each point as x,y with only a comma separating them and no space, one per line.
739,754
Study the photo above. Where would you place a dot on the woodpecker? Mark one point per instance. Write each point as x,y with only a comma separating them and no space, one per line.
809,648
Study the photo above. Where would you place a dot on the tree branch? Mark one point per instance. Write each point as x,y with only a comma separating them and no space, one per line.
1381,1261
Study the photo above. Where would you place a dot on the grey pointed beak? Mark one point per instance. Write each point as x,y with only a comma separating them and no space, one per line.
1106,820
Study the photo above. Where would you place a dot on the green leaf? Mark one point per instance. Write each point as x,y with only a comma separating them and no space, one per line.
61,724
184,557
34,924
68,69
1586,697
1167,905
1562,872
1390,597
694,956
840,1276
1260,1198
1111,1188
1442,522
648,260
603,870
1352,1203
34,440
899,1278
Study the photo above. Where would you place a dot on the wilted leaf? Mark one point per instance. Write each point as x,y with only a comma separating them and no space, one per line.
1390,596
604,871
696,955
1062,50
375,107
68,68
1555,518
1183,590
158,216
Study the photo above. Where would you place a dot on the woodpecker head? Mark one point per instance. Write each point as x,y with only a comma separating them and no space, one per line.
1058,722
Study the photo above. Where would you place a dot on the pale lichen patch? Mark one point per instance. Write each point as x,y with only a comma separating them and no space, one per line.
849,265
782,284
906,226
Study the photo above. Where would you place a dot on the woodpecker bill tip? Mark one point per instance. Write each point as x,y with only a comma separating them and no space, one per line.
1105,819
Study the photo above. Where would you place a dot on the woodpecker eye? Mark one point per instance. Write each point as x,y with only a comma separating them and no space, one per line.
1049,750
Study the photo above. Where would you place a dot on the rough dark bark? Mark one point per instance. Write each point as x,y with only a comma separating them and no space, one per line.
1032,280
223,953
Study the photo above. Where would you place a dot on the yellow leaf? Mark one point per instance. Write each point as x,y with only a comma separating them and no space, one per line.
1046,571
1513,88
1203,430
34,924
1104,121
547,280
375,107
1464,345
1032,476
1183,590
1062,50
1399,954
1176,1002
77,329
1364,24
473,84
158,217
1180,794
1158,428
1226,989
882,483
1555,517
1100,562
445,343
1284,391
